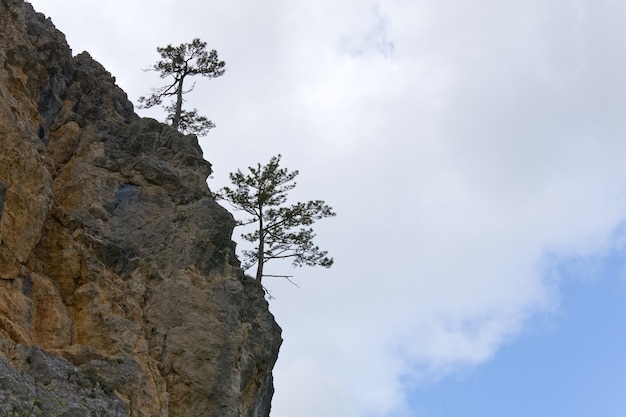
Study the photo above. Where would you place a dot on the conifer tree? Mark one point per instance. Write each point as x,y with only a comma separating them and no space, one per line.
281,231
179,63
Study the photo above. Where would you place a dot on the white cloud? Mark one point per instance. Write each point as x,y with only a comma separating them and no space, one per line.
314,392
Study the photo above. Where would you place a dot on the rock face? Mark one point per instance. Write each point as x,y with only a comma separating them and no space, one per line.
120,294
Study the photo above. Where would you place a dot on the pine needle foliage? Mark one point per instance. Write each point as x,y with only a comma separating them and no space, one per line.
282,231
179,63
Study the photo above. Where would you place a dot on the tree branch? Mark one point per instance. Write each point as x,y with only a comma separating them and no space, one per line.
283,276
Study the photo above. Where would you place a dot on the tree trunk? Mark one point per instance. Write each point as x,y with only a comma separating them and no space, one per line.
261,251
179,104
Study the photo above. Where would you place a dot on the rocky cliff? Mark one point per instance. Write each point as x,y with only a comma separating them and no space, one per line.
120,294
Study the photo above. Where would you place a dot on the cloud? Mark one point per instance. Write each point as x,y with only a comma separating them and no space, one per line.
376,40
475,158
314,392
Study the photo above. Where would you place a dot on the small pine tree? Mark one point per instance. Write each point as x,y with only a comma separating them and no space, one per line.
279,234
180,62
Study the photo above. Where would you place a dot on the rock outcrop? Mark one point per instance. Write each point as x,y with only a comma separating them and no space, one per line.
120,294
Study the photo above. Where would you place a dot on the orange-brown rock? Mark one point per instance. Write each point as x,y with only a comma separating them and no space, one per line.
120,293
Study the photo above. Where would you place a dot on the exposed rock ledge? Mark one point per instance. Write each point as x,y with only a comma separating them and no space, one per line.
120,294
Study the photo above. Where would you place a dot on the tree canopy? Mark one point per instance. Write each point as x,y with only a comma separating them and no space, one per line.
282,231
179,63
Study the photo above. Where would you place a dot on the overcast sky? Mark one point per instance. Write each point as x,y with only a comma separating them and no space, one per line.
474,153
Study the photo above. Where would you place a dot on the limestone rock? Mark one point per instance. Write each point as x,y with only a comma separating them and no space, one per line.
119,289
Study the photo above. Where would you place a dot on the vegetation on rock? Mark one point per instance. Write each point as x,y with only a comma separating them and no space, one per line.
178,63
279,234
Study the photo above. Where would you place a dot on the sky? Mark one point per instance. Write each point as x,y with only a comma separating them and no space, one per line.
474,153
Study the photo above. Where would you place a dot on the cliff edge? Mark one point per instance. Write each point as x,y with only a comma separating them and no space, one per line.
120,294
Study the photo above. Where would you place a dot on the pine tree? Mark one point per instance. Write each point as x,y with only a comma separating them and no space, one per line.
178,63
281,231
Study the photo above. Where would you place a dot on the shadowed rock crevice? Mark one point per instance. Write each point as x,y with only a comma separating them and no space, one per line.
120,292
3,196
